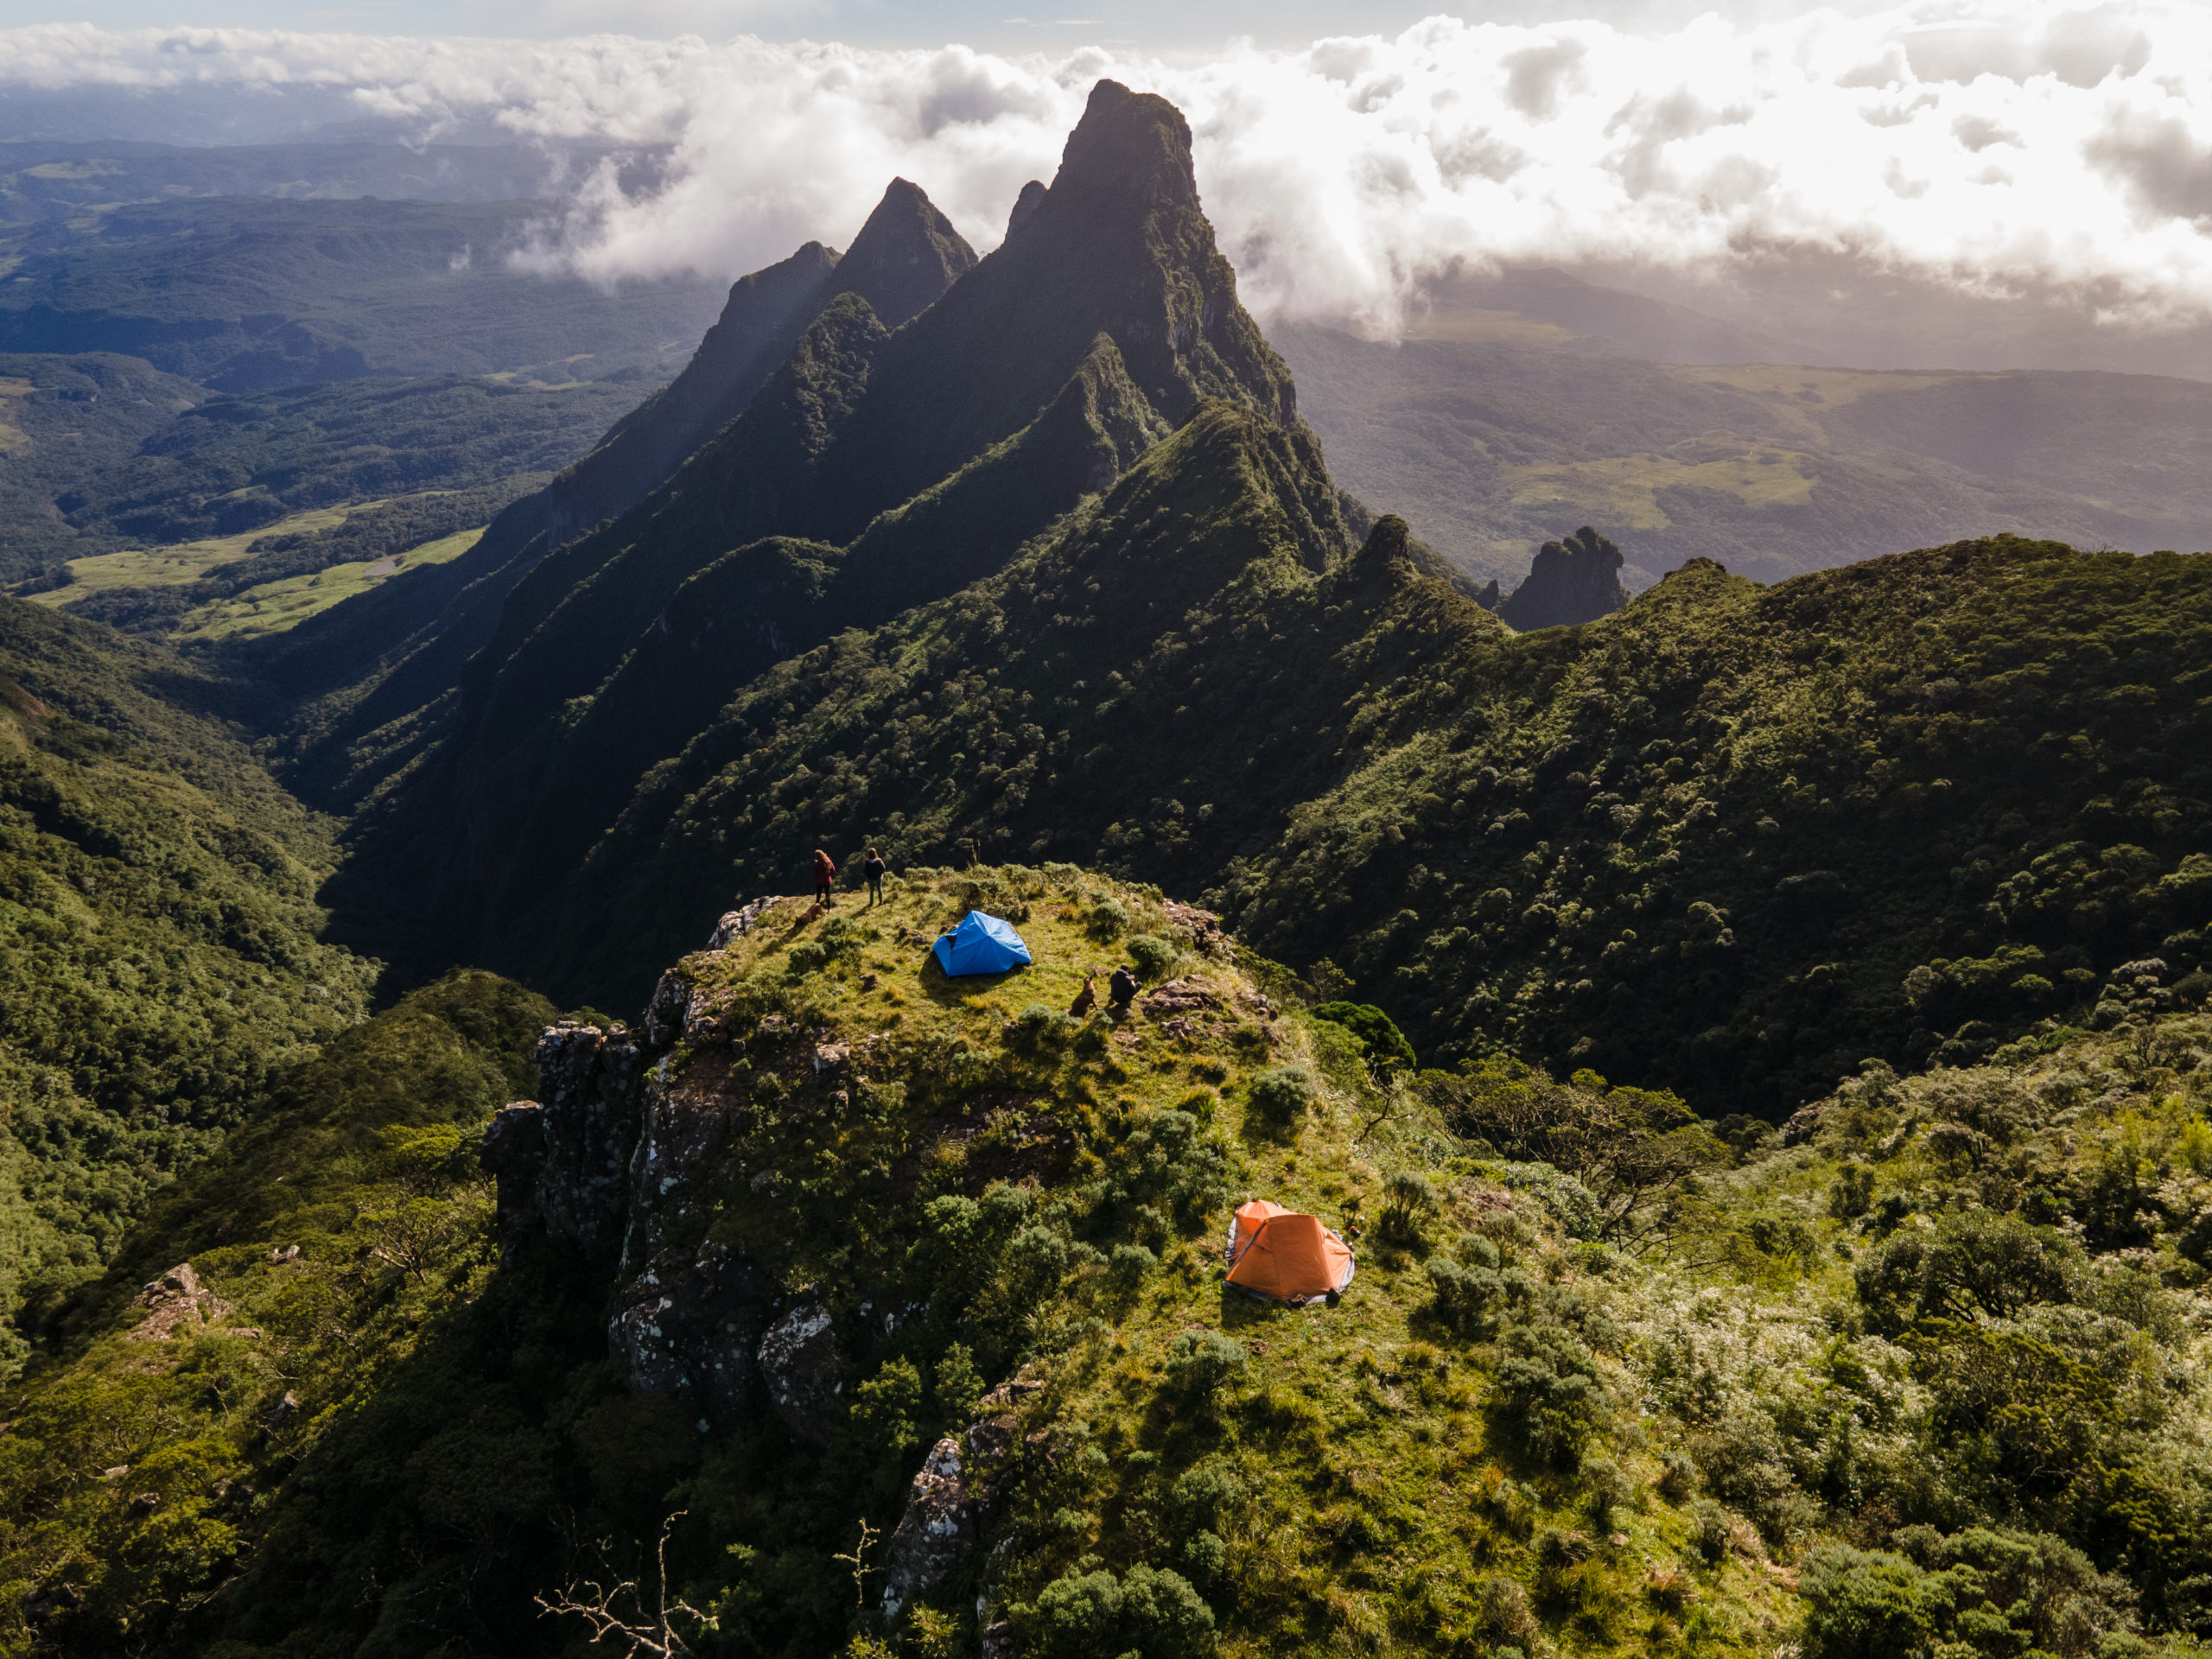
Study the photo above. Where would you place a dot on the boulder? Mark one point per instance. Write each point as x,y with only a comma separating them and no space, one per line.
798,1363
670,1008
1204,930
952,1494
935,1534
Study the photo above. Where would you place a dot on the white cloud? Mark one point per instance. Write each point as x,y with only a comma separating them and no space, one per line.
2001,149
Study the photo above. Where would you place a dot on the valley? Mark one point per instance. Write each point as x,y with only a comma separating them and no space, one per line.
1754,1045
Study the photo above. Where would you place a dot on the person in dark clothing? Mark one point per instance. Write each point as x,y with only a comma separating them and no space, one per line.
873,870
1121,991
825,875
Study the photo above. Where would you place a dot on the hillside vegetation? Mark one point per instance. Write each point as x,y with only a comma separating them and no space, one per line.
100,456
160,949
1735,839
1609,1375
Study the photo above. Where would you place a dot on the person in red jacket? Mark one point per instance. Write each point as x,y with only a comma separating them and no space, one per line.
825,874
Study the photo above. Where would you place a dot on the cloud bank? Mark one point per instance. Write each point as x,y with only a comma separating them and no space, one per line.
2048,151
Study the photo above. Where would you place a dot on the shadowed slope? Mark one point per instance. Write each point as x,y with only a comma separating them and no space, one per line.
424,627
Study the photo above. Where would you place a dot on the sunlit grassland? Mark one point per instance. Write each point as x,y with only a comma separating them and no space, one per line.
186,561
276,605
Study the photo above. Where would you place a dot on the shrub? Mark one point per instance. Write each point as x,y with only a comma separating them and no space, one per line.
1408,1200
957,1386
1283,1093
1038,1028
1569,1202
1154,959
1999,1264
885,1406
1708,1529
1126,1268
1198,1363
1389,1053
1108,919
1155,1613
1548,1381
1207,1557
1502,1608
1852,1194
1472,1300
1610,1487
1677,1477
1984,1591
1203,1496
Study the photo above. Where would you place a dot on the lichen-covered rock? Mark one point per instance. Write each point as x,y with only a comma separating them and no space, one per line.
690,1326
951,1497
935,1534
798,1363
668,1010
736,924
560,1159
1204,930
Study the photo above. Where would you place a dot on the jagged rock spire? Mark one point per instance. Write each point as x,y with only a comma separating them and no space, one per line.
1574,581
1136,146
1031,196
906,256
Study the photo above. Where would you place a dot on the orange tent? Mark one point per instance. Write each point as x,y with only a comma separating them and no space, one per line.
1286,1256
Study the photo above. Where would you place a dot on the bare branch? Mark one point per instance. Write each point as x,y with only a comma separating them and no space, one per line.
617,1609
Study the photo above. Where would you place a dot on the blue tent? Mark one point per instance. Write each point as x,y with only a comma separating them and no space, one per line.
980,945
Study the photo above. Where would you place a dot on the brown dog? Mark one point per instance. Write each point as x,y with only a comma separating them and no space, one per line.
1086,999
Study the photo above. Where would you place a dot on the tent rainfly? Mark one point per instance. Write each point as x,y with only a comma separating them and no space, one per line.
980,945
1284,1255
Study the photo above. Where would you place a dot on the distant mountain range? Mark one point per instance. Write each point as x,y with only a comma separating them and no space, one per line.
1516,409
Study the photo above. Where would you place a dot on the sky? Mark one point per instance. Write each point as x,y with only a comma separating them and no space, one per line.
990,25
2009,149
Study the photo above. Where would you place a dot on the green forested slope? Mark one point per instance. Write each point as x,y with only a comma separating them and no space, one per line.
158,938
100,453
244,293
1743,837
361,1161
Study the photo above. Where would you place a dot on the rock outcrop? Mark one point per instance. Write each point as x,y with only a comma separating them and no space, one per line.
177,1302
689,1325
560,1160
1570,581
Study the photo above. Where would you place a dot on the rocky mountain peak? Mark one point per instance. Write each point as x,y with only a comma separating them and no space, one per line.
906,256
1577,580
1129,147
